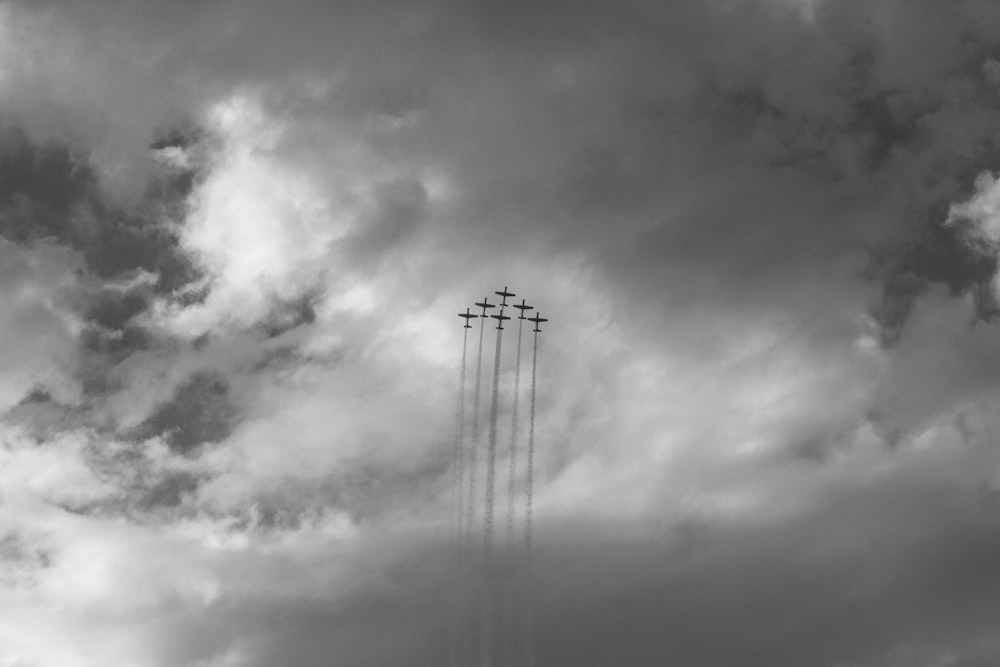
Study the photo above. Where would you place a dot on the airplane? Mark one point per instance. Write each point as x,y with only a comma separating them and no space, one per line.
484,305
523,308
501,317
504,294
468,316
538,319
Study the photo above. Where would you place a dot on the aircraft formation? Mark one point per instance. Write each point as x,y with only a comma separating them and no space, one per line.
485,304
492,620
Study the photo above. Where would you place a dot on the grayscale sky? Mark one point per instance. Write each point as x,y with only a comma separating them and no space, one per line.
234,236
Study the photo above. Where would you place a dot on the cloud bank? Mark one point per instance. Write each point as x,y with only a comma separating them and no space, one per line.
233,238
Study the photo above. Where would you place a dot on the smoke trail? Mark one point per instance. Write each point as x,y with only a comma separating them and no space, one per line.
468,625
509,602
458,509
491,456
529,630
473,453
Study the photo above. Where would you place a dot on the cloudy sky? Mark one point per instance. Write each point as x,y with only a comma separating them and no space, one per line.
234,236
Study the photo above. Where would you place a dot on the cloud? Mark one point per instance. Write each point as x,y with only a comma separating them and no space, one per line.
823,588
38,339
198,413
237,237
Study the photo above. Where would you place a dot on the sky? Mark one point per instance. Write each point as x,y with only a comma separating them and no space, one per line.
234,236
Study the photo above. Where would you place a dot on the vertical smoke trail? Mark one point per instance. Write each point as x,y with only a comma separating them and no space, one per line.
529,630
473,453
491,453
470,500
458,509
509,601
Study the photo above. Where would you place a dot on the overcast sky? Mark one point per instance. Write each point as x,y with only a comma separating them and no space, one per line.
234,236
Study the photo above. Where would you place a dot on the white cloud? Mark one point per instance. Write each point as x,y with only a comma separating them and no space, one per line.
981,211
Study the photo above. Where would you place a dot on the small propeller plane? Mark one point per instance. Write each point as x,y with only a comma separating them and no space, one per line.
484,305
501,317
538,319
504,294
468,316
522,307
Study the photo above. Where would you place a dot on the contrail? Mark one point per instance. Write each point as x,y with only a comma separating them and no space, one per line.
529,630
473,467
458,505
473,451
509,601
491,454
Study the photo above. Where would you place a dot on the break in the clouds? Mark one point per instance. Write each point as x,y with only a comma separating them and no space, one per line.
234,237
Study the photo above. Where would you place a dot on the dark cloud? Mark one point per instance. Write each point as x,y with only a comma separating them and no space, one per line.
169,491
200,411
936,255
896,572
114,330
113,311
50,192
839,134
634,136
43,189
402,209
886,573
290,314
44,417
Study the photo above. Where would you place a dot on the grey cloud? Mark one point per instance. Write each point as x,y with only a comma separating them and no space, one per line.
170,491
290,314
200,411
139,485
772,95
631,133
937,255
634,137
113,310
402,209
42,189
23,555
945,364
899,571
50,192
44,417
